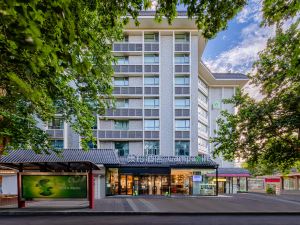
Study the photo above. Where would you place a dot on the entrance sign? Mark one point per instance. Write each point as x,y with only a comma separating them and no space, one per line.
48,186
159,159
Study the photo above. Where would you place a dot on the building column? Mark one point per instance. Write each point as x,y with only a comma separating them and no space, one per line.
21,204
91,190
217,182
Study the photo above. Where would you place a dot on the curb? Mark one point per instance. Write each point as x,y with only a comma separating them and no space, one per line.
113,213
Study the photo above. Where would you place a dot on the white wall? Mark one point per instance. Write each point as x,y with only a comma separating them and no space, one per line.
9,185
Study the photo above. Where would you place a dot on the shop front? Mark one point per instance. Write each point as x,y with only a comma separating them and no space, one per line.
162,177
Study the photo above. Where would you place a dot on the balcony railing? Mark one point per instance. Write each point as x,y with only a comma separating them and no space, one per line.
151,68
127,47
182,112
182,68
115,134
151,134
182,47
128,68
182,90
151,112
55,133
151,47
128,91
182,134
126,112
151,90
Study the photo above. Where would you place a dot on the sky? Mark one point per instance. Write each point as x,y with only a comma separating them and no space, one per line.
236,48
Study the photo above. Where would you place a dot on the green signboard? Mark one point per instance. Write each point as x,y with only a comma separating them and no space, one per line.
54,186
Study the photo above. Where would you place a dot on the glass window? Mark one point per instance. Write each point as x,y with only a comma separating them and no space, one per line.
151,81
56,123
202,84
202,97
122,60
151,59
151,148
182,124
182,148
125,38
151,37
202,127
182,103
151,103
289,183
122,147
57,144
151,124
182,80
185,37
121,81
202,112
182,59
122,103
121,124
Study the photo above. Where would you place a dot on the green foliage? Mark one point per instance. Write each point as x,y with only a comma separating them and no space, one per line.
267,132
56,55
270,191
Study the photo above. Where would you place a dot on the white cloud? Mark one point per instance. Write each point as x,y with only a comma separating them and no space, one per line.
250,12
241,57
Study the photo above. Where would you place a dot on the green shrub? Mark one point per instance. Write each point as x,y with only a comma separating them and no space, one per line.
270,191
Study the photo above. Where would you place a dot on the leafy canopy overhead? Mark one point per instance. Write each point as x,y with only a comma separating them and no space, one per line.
56,56
267,132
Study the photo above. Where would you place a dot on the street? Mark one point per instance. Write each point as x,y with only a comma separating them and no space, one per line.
145,220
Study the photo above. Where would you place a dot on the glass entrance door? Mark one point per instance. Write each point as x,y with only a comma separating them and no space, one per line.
126,184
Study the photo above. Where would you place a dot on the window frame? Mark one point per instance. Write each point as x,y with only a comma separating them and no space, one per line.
152,106
126,150
156,151
184,106
155,127
124,81
154,83
125,102
187,125
186,80
186,59
177,151
122,127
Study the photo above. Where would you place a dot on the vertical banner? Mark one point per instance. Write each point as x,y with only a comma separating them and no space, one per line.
54,186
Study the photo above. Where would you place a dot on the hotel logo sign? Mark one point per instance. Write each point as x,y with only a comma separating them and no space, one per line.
159,159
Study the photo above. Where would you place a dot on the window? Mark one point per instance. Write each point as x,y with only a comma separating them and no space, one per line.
151,59
182,80
182,103
151,148
182,148
202,84
56,123
92,145
122,103
122,60
202,112
202,98
182,59
202,127
94,127
182,37
122,147
125,38
121,81
151,81
151,37
151,124
182,124
121,124
203,142
59,144
152,103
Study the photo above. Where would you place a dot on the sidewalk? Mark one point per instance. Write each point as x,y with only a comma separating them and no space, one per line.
239,203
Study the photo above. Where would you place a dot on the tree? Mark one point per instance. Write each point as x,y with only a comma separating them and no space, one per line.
56,55
267,132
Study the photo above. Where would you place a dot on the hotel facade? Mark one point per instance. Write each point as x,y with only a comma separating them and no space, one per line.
167,104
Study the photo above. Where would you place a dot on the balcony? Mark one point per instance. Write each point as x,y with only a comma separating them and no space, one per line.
182,134
151,47
128,68
128,91
151,68
151,90
151,112
182,112
55,133
182,68
127,47
116,134
182,90
182,47
124,112
151,134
